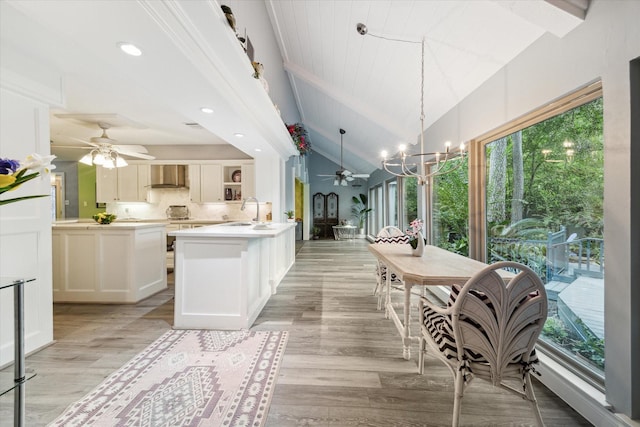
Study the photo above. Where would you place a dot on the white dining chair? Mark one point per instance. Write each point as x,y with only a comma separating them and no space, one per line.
387,235
488,330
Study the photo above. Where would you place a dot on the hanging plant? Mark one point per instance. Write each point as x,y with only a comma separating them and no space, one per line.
299,136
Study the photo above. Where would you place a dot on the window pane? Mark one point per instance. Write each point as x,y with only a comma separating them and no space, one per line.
392,197
544,208
450,214
409,201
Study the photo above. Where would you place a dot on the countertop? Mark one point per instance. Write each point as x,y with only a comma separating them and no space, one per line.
105,227
147,220
245,230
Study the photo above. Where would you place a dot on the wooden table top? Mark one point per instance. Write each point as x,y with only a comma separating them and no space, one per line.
436,267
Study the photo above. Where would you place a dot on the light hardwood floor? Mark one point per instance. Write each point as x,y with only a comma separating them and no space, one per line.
343,363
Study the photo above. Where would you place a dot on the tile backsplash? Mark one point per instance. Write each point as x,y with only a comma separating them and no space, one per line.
162,198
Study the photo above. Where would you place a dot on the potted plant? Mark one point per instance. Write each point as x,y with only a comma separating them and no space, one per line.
360,210
290,216
315,231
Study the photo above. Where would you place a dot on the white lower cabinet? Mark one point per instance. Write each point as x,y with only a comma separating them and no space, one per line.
116,263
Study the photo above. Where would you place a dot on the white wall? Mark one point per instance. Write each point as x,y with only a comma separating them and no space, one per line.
600,48
25,226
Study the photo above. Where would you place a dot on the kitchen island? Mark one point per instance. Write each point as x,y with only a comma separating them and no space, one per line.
225,274
122,262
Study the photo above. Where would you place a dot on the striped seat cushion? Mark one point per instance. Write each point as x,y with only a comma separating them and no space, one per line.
440,328
392,239
382,272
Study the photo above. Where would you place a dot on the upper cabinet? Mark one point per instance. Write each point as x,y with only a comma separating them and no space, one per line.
224,181
127,184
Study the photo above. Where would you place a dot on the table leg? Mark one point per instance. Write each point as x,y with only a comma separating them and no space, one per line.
387,299
19,374
406,336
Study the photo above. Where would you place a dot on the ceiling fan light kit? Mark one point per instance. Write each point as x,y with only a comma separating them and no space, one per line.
425,164
104,153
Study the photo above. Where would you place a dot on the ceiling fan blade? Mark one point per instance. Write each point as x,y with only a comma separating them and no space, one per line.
327,175
93,144
346,172
360,175
349,178
133,148
135,154
54,146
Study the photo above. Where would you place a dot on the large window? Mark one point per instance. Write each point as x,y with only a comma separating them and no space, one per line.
376,215
392,202
450,208
409,201
544,207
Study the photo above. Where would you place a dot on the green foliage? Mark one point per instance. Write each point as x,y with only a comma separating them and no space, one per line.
451,209
360,209
591,347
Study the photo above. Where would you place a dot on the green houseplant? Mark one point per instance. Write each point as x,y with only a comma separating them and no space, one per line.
360,210
290,215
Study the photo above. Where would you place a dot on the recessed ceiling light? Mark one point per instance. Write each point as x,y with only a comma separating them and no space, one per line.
130,49
238,135
257,149
207,110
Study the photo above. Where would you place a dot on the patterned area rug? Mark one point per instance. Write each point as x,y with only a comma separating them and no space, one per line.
188,378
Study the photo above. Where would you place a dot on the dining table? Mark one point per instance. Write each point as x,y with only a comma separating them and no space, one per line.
436,267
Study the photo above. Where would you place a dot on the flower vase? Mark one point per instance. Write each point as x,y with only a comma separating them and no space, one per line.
419,249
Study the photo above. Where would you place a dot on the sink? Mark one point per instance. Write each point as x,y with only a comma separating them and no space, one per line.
238,224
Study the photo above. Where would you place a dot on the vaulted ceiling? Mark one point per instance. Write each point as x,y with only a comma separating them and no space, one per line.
319,69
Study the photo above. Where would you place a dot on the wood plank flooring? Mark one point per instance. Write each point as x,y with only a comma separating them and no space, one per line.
343,364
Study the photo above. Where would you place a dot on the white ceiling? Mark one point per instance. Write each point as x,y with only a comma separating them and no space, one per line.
337,78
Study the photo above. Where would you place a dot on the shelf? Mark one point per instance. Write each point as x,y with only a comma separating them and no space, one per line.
8,383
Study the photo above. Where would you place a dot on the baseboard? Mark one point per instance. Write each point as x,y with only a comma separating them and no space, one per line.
580,395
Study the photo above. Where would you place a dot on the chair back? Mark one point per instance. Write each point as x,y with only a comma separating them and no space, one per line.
391,234
497,323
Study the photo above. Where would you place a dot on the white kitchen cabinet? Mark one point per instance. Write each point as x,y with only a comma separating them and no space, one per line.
127,184
248,180
116,263
205,183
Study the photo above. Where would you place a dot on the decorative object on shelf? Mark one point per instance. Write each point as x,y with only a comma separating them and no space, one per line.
236,176
259,74
228,194
258,69
104,218
402,164
229,15
299,136
14,173
416,240
315,231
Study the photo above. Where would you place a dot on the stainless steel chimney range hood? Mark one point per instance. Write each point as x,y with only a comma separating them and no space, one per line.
169,176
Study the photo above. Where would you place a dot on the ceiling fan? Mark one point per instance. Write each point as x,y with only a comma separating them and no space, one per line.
343,176
104,152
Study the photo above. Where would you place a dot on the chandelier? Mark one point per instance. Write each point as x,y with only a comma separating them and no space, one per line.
421,165
104,156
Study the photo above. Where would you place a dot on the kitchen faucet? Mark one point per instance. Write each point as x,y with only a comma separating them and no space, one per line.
244,202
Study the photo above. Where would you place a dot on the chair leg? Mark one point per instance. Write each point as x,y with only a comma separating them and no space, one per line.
457,402
531,397
421,351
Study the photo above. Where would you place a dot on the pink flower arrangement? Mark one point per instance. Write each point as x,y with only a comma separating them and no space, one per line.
299,136
413,232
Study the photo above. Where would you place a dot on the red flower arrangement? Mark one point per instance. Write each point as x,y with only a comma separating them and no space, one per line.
299,136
